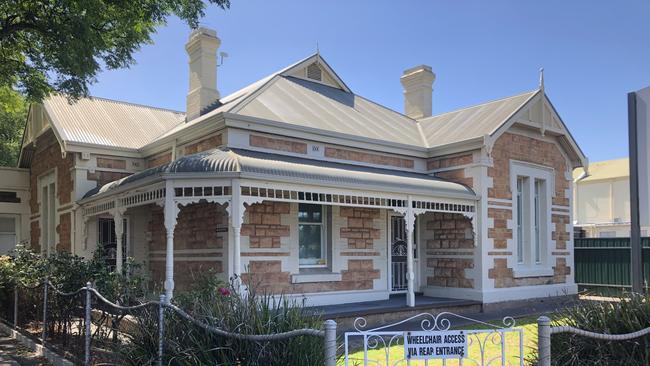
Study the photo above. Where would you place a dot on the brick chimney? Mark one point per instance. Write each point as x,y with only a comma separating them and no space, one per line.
418,90
202,48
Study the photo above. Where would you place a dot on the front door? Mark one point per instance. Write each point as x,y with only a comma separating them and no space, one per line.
398,251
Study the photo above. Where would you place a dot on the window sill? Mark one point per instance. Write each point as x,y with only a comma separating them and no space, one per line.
315,277
533,272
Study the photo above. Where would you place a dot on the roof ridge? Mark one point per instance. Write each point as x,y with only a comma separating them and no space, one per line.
132,104
479,105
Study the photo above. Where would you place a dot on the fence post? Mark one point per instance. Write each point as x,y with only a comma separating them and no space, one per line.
330,342
161,328
44,333
16,307
544,340
88,320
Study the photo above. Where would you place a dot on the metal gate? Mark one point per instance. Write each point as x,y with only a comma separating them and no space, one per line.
384,346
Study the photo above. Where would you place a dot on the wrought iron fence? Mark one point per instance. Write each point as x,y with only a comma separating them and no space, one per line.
545,331
384,346
86,328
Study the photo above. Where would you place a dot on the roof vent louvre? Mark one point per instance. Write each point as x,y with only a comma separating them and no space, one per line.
314,72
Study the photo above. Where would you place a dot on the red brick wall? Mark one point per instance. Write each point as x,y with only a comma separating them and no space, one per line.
264,227
268,276
522,148
103,177
517,147
278,144
203,145
364,157
111,163
450,161
157,160
46,158
196,228
451,232
360,231
64,229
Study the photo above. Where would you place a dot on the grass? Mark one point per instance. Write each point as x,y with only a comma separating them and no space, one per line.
492,349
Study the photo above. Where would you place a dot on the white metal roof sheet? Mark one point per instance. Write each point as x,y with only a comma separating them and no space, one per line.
107,122
472,122
311,104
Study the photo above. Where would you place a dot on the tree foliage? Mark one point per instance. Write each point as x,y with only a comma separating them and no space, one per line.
60,45
13,112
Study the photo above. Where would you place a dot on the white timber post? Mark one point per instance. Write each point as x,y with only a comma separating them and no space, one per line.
171,212
236,218
410,226
118,219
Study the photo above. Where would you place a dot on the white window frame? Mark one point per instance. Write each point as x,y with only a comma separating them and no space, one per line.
17,227
323,233
527,263
48,202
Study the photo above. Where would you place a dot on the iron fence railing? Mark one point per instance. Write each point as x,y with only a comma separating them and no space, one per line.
605,262
84,326
545,331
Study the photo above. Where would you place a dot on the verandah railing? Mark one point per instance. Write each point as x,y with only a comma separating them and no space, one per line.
605,262
85,327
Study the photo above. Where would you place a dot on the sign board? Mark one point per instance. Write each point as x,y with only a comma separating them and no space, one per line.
643,153
435,345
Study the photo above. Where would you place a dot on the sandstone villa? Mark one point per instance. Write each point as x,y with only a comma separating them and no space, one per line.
297,182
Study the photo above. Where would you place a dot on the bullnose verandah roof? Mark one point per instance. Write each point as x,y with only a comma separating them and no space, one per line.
252,164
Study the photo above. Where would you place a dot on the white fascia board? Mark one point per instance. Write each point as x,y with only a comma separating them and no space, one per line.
102,150
320,135
199,129
456,147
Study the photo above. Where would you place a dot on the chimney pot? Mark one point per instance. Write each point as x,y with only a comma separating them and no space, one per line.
418,91
202,49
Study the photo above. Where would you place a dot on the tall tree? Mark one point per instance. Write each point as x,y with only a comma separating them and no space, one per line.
13,112
60,45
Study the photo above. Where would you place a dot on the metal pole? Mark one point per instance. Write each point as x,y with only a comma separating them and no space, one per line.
635,227
16,307
544,340
161,329
88,322
44,333
330,342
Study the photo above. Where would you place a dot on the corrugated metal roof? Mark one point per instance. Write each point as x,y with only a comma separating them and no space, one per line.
472,122
293,168
602,170
110,123
310,104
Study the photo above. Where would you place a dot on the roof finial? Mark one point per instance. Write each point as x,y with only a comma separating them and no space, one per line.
541,79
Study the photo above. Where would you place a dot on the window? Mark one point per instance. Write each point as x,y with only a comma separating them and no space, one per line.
532,218
7,234
48,212
312,239
520,220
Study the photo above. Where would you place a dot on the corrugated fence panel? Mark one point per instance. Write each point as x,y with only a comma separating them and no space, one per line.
605,262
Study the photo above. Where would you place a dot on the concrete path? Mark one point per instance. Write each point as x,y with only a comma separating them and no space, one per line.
13,353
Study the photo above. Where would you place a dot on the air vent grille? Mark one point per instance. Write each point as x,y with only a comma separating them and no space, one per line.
314,72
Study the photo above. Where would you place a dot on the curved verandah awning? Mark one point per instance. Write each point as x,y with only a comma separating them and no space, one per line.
238,178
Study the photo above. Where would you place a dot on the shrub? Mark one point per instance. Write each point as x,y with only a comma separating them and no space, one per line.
224,307
627,315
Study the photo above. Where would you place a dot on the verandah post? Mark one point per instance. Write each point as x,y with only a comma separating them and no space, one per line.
16,306
87,319
161,329
330,342
544,340
44,332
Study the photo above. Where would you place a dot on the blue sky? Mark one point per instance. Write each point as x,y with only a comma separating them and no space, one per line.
593,53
